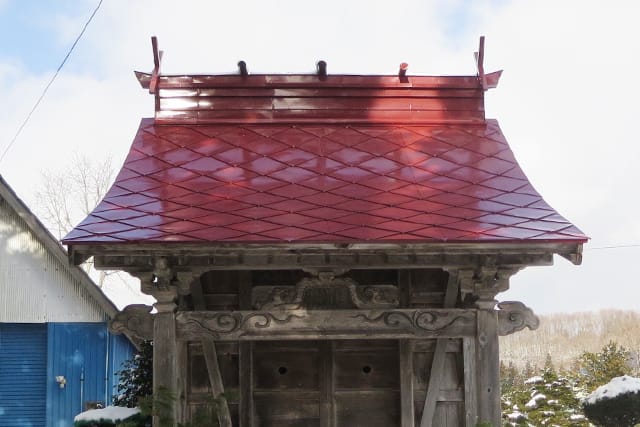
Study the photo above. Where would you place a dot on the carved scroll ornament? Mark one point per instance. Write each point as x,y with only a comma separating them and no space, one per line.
325,324
514,316
293,297
135,320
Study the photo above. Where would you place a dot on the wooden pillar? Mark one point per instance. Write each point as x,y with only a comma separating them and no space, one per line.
407,409
165,356
488,366
245,355
484,283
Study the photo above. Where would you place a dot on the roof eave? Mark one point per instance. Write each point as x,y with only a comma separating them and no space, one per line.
355,255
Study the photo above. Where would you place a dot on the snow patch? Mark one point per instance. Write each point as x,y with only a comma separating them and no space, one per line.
516,416
615,387
113,413
533,403
534,380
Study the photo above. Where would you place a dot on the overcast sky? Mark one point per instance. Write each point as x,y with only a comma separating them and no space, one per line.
568,100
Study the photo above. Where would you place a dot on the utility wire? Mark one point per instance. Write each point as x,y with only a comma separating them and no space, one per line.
613,247
44,92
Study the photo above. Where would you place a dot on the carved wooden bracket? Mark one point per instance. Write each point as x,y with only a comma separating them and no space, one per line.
164,280
484,283
325,324
293,297
514,316
135,320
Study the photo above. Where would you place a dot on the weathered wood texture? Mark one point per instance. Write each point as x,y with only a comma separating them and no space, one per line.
437,368
164,359
200,390
325,324
318,380
488,367
470,388
211,361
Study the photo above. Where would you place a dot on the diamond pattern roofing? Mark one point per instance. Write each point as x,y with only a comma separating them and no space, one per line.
338,159
249,183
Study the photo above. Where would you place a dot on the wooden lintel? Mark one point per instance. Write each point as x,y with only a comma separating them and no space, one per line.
325,324
217,259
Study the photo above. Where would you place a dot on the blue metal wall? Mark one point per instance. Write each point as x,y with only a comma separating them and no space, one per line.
88,357
23,367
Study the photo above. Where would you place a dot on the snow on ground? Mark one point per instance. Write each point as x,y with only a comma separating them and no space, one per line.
113,413
533,403
615,387
534,380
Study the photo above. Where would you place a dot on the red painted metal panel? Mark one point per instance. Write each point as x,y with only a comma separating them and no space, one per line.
322,183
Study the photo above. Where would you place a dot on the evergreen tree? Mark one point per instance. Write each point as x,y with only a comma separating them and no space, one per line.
596,369
136,378
615,404
543,400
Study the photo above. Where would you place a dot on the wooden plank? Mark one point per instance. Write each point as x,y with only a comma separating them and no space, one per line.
405,348
245,355
325,324
435,377
211,360
488,367
164,359
470,395
217,387
326,376
407,413
181,381
246,384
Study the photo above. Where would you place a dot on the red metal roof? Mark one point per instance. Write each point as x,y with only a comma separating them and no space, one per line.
321,159
315,180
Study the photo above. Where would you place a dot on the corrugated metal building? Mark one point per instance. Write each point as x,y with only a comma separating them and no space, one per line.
56,353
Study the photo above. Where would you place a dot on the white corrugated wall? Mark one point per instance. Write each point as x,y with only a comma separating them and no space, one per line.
35,286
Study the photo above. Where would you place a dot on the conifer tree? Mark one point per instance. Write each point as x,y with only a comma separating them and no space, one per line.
596,369
136,378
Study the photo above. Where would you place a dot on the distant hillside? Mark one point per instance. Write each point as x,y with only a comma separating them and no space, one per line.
566,336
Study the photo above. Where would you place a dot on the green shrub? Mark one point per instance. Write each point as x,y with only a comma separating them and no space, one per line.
615,404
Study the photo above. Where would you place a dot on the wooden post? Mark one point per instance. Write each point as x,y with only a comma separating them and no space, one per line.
164,354
488,366
439,355
470,388
211,360
245,356
406,383
407,409
327,384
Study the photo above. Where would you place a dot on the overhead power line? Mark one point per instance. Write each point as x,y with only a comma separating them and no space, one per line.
613,247
44,92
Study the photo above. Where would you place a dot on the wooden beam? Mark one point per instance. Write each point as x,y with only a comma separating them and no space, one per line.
134,257
406,383
405,348
325,324
327,384
211,360
245,355
439,355
488,367
470,395
217,387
